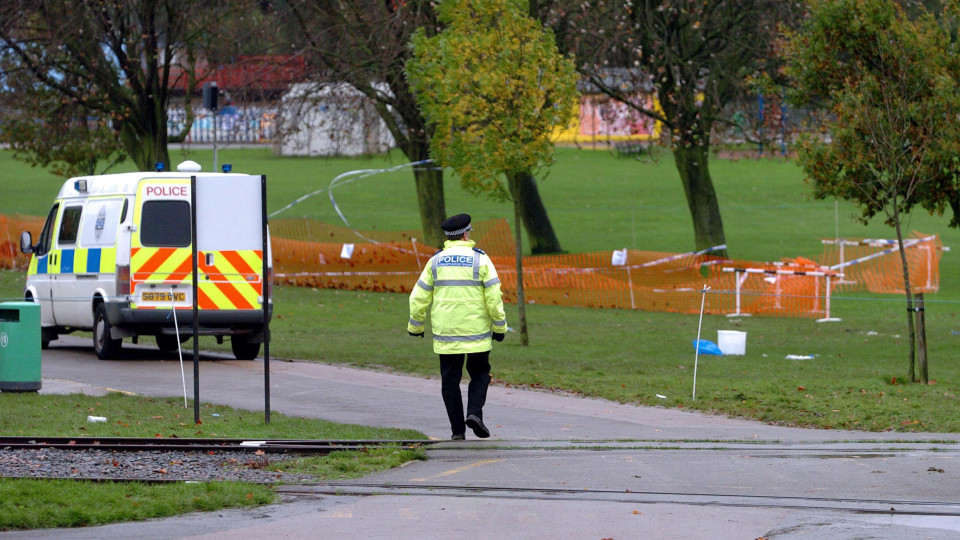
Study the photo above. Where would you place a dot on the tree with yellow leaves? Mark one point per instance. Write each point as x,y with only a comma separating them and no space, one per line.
494,87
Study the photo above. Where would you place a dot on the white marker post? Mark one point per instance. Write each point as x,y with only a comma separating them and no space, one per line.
619,258
696,357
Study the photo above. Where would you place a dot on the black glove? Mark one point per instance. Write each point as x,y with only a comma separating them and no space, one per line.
498,336
415,335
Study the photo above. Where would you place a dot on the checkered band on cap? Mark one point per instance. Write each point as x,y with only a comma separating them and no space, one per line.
459,231
456,225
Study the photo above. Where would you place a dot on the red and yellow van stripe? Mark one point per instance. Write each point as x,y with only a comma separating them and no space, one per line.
233,281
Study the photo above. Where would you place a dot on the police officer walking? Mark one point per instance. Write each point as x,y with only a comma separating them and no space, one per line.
467,315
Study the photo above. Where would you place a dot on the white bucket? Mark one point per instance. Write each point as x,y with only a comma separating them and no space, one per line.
732,342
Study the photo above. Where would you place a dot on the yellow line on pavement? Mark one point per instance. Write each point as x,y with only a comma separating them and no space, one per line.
105,388
458,470
125,392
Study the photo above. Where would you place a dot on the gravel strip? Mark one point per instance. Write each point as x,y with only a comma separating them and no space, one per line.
146,465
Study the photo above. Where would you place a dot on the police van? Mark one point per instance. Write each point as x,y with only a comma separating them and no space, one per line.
115,256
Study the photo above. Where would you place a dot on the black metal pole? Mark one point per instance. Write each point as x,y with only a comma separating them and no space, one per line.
265,289
196,318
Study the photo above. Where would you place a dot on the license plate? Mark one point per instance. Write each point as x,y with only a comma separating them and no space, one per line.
163,297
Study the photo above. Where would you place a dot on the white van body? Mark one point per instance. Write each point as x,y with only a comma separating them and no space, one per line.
115,257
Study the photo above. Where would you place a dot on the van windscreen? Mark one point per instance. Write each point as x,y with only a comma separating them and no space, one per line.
165,223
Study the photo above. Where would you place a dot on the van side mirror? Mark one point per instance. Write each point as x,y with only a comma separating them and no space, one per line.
26,242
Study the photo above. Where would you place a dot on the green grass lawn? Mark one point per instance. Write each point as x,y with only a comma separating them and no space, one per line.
596,202
29,503
29,413
42,504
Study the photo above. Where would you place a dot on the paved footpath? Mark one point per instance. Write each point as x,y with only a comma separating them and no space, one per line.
556,466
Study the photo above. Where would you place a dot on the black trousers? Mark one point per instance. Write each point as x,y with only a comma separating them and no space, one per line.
451,371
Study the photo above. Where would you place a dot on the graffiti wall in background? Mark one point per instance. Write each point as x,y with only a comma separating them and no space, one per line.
250,125
600,119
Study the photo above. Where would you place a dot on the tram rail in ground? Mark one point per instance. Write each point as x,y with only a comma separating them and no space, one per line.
719,498
139,444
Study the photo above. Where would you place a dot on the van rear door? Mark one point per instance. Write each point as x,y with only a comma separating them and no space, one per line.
229,241
160,246
229,244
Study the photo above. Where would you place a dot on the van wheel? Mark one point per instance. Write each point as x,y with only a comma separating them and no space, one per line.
243,349
167,342
106,348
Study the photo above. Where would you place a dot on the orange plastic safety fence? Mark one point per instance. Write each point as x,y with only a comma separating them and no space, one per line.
10,229
652,281
875,265
391,265
310,253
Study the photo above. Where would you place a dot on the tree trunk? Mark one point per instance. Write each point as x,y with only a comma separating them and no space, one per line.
145,148
911,371
921,321
430,199
144,134
543,240
521,297
692,164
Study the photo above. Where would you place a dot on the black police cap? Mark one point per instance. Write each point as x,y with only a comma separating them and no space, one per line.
456,225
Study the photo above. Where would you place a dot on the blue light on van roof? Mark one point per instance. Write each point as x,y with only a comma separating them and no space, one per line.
80,185
227,167
159,166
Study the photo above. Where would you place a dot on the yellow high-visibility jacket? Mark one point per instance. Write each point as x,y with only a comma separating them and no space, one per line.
462,284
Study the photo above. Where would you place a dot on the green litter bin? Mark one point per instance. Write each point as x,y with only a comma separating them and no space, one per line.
19,347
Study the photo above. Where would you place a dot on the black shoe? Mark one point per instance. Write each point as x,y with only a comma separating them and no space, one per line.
476,424
458,437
